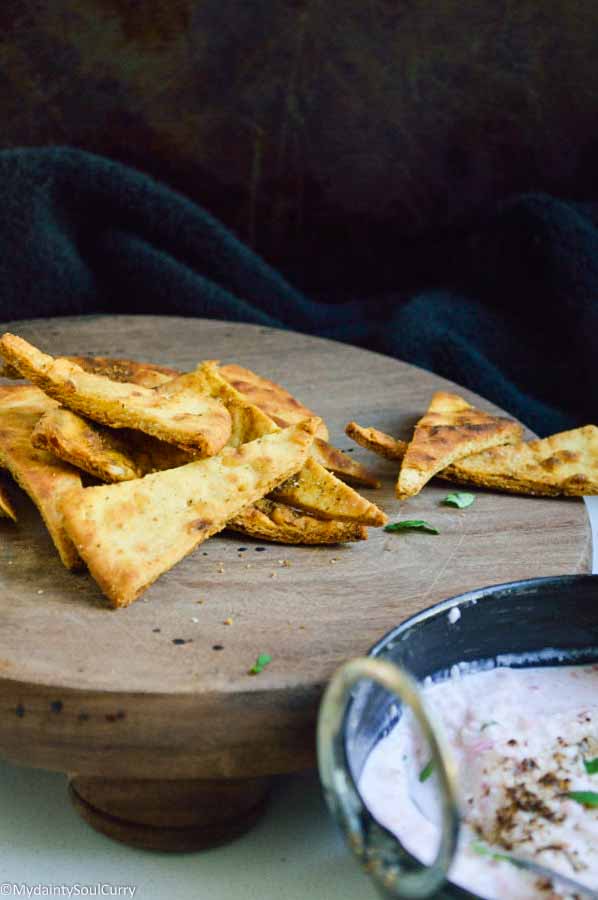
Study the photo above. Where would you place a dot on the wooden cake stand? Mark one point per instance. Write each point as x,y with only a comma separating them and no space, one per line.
168,742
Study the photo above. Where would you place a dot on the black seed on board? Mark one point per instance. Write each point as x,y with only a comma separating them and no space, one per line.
20,710
56,706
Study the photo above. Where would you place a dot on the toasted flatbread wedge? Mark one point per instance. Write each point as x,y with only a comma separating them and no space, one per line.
377,441
564,464
314,490
450,430
183,417
277,522
45,478
7,510
341,465
110,454
130,533
148,375
270,397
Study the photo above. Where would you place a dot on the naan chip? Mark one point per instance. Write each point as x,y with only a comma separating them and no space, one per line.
270,397
377,441
314,489
148,375
109,454
131,533
7,510
183,417
450,430
45,478
341,465
281,524
564,464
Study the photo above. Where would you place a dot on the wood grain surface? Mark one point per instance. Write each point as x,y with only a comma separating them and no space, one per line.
98,692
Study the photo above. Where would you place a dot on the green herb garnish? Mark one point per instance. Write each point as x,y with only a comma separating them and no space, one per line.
462,500
485,725
263,660
427,770
586,798
412,524
483,850
591,766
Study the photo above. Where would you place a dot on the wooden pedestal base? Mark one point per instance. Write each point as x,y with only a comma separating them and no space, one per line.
172,816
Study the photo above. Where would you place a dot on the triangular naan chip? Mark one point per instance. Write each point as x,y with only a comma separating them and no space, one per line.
110,454
450,430
314,489
564,464
284,409
377,441
45,478
270,397
183,417
132,532
271,521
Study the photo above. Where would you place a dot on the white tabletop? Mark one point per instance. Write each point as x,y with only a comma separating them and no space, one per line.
293,853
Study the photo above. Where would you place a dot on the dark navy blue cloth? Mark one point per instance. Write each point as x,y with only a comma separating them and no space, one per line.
508,309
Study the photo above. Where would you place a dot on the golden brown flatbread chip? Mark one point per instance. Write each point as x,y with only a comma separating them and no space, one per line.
182,417
271,521
564,464
341,465
450,430
110,454
130,533
7,510
125,370
377,441
314,489
45,478
270,397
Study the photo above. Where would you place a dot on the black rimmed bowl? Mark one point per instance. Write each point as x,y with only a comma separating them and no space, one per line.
555,617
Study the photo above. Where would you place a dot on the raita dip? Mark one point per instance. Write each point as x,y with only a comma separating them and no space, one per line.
525,742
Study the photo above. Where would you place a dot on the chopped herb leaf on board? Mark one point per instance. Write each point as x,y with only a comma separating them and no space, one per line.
263,660
459,499
412,524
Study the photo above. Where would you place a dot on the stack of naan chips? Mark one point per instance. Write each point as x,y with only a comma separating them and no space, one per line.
182,456
461,444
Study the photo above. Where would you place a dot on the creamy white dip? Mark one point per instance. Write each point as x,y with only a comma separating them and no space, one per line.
523,739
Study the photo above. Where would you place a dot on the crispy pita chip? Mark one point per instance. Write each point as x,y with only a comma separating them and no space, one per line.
564,464
450,430
313,489
148,375
268,396
377,441
280,523
183,416
130,533
109,454
7,510
341,465
45,478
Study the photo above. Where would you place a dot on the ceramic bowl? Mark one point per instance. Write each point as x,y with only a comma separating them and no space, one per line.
558,616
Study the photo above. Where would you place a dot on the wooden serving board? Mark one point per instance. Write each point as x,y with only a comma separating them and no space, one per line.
114,698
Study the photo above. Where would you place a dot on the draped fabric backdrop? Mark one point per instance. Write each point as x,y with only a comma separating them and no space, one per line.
508,308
